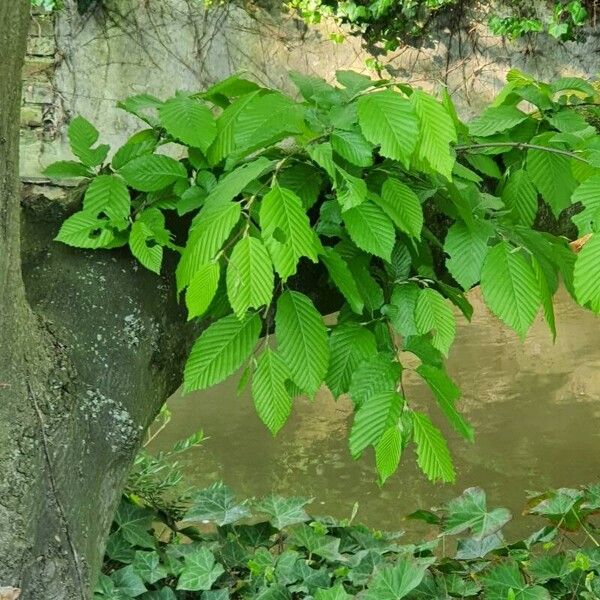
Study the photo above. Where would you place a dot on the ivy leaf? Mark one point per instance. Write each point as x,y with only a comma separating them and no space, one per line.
432,452
388,452
271,397
220,351
152,172
147,566
250,278
587,274
66,169
134,524
128,582
510,287
371,230
82,136
335,593
283,512
393,583
85,230
447,394
432,313
286,231
466,248
499,580
436,133
342,278
353,147
218,505
374,416
402,205
302,340
202,289
349,345
388,120
520,196
469,511
200,571
188,120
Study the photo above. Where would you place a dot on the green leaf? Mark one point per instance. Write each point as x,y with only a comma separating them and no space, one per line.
447,394
82,136
209,231
128,582
393,583
142,242
402,205
432,452
349,345
147,566
189,121
108,194
402,304
139,144
134,523
271,398
466,248
218,505
351,191
588,193
283,512
85,230
484,164
202,289
286,231
388,120
66,169
510,287
220,351
432,313
469,511
200,571
587,274
520,196
352,146
335,593
371,230
496,119
436,133
551,173
302,179
499,580
388,452
374,376
342,278
302,340
152,172
375,415
250,278
545,296
142,106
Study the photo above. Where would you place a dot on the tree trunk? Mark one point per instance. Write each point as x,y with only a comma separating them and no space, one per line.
90,347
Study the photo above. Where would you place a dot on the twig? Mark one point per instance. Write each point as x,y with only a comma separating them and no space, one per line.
54,489
520,146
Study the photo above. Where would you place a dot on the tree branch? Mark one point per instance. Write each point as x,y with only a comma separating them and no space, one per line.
520,146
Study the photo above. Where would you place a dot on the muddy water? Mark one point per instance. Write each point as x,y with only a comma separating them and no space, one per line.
535,407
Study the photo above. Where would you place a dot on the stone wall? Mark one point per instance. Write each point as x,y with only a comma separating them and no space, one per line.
83,64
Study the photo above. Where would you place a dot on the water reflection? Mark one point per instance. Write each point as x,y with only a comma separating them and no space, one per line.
535,407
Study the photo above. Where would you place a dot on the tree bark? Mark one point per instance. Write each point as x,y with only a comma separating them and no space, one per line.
90,348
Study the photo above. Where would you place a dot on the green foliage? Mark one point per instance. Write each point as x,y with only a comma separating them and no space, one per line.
372,189
271,548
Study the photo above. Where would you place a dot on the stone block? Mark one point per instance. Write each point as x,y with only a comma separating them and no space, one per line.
42,25
38,67
41,45
31,115
38,92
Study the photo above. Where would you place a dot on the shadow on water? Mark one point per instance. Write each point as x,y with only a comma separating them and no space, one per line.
535,407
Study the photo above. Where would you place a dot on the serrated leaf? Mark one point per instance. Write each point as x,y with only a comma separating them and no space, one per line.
374,416
139,144
218,505
447,394
66,169
144,247
403,303
302,340
520,196
432,452
82,136
466,248
142,106
388,120
586,279
271,398
545,296
200,571
349,345
189,121
371,230
202,289
373,376
402,205
220,351
510,288
393,583
388,452
283,512
209,231
85,230
108,194
353,147
342,278
436,133
286,231
496,119
250,278
152,172
302,179
588,193
432,313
